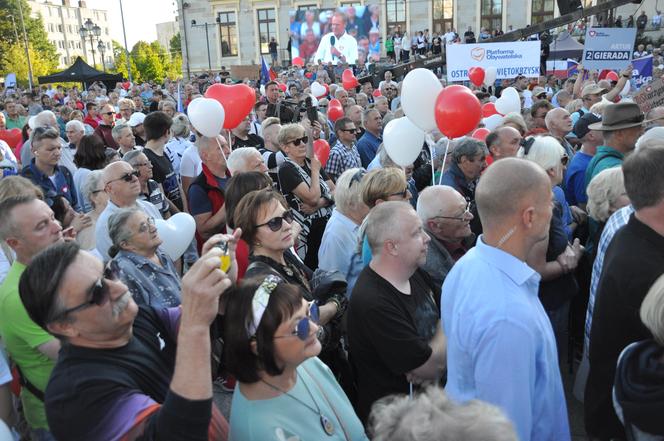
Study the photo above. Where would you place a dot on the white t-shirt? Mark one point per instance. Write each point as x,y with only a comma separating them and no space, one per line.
174,150
346,44
190,163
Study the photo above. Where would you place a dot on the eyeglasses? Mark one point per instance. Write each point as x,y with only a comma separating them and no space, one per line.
463,217
97,191
403,193
351,130
142,164
276,223
564,160
302,327
145,226
298,141
109,113
128,177
99,293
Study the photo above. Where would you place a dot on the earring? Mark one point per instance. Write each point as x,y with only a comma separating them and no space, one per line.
258,245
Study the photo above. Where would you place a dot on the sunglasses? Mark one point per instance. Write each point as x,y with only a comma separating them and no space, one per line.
99,293
297,141
276,223
109,113
403,193
303,326
463,216
128,177
351,130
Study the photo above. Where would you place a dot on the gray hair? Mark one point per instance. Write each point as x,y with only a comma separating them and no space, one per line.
237,160
432,200
116,132
180,126
468,147
117,228
603,191
44,118
652,310
75,124
384,223
348,191
431,416
546,152
132,156
91,183
384,157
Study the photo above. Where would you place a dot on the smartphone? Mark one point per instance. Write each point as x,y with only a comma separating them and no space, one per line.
312,113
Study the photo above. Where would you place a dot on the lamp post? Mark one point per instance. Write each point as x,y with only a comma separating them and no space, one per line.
101,47
207,39
124,34
90,29
25,42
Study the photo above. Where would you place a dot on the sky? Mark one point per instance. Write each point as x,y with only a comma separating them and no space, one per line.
141,17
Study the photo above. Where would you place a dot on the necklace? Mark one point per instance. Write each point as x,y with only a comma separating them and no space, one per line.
325,422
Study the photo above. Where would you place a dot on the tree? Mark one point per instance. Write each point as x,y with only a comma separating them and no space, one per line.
120,61
45,58
176,45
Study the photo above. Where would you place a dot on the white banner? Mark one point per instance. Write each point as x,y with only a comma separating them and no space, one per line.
510,59
608,48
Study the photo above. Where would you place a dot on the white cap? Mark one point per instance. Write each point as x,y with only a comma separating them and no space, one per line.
136,119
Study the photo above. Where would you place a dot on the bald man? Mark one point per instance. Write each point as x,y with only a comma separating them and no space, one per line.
656,117
445,216
502,349
504,142
121,183
401,301
559,123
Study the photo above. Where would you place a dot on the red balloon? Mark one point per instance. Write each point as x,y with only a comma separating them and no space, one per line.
457,111
11,137
476,75
348,79
298,61
126,85
480,134
612,76
238,100
308,75
282,86
377,93
489,109
334,110
322,151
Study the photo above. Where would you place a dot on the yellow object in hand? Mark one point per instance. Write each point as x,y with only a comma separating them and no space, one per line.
225,258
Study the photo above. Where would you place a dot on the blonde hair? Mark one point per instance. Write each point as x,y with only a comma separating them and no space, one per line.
574,105
546,152
652,310
288,133
381,183
603,192
516,120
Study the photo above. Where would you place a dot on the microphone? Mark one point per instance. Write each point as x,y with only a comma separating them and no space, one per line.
333,40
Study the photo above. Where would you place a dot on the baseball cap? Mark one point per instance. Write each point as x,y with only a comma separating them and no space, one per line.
136,119
537,91
581,127
591,89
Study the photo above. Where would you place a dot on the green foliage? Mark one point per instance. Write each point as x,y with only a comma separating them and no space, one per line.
176,44
149,62
43,53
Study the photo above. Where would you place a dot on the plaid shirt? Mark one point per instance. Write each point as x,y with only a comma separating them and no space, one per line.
617,220
341,159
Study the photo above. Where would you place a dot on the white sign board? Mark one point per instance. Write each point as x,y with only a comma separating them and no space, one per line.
608,48
509,59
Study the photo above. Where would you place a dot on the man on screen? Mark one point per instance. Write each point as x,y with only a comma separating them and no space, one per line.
337,45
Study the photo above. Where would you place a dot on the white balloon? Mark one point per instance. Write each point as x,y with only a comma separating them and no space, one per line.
207,116
493,121
403,141
490,74
318,90
419,92
509,101
262,89
176,233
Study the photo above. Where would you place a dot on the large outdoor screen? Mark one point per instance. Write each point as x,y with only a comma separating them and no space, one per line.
348,34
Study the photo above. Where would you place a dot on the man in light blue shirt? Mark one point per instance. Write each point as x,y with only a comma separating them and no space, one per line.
339,249
501,348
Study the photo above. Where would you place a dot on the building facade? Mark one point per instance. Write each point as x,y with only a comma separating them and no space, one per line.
62,21
237,30
166,31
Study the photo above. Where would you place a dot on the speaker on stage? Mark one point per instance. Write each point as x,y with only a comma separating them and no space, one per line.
567,6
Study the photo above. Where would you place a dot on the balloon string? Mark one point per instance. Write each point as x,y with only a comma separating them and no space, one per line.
220,148
442,167
230,143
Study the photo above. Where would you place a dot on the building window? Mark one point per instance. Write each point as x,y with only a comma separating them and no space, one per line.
59,28
351,4
443,15
542,11
306,7
227,33
267,28
492,15
396,15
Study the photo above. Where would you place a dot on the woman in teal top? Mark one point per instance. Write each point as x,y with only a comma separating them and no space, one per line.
284,393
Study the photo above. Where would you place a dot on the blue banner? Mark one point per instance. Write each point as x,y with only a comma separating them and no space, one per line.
608,48
642,73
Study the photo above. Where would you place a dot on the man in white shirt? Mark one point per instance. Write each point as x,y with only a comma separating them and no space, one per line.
337,45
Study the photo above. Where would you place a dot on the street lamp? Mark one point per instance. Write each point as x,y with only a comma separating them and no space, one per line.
101,47
90,29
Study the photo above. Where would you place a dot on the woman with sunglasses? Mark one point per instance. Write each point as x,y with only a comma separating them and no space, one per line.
307,189
148,272
555,259
285,391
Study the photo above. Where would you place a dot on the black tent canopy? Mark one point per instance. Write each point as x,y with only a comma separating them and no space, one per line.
82,72
565,46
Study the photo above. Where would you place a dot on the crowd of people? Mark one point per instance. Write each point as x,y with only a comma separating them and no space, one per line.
346,297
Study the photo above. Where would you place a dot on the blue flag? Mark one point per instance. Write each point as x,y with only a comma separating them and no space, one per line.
265,73
642,73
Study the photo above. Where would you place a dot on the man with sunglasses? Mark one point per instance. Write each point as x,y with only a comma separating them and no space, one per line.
123,188
127,372
105,127
27,226
446,216
344,154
